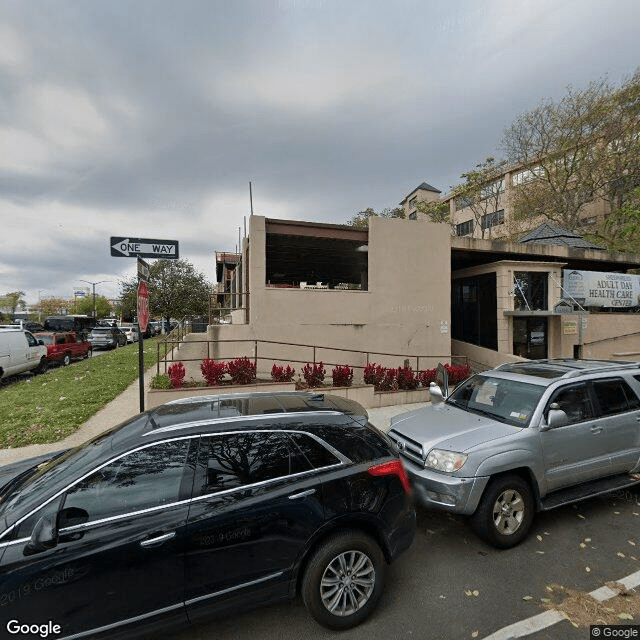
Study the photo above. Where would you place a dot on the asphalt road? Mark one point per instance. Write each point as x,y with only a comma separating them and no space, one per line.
451,586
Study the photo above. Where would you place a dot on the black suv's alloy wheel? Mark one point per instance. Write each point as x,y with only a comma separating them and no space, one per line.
344,580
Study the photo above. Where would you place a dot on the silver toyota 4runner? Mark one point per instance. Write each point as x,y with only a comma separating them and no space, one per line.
522,438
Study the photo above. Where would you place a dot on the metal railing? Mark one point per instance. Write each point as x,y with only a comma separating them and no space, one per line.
173,342
222,314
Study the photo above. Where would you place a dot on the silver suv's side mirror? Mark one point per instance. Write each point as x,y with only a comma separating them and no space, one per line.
556,417
435,392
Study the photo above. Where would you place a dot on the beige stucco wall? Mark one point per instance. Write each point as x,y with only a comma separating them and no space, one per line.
405,310
612,336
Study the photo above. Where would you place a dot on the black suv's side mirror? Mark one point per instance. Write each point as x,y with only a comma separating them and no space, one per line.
44,535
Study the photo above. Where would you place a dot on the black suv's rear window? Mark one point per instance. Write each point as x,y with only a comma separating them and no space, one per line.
357,442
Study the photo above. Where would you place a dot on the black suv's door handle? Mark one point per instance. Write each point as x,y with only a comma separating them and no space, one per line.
302,494
154,542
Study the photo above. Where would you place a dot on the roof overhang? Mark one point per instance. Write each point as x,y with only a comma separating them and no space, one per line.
472,252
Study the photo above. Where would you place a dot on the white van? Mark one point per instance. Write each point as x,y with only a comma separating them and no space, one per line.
20,352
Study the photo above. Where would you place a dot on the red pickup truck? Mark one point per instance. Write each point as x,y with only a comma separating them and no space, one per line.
63,347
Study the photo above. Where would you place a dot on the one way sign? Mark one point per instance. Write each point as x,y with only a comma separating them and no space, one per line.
144,248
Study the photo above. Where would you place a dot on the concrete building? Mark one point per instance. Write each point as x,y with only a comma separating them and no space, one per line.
422,193
492,216
409,290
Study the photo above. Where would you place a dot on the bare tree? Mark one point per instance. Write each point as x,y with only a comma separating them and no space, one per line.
576,151
481,192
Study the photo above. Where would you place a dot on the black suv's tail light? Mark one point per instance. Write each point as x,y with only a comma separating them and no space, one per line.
392,468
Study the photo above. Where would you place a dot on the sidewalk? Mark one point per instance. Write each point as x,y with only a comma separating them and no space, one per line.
127,405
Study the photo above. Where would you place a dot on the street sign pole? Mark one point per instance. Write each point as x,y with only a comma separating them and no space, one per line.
143,322
122,247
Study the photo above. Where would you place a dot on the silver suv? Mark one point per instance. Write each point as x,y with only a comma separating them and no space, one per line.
522,438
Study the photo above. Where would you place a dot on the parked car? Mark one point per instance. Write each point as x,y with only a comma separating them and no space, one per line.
29,325
107,338
155,327
79,323
64,347
20,352
131,332
522,438
202,506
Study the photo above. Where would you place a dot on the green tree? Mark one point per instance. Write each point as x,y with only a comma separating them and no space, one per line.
620,230
13,301
361,219
435,211
85,306
176,290
53,307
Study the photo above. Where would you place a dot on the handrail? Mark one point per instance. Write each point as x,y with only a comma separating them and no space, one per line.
315,348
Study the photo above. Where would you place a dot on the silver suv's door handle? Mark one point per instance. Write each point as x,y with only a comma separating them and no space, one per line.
302,494
596,429
153,542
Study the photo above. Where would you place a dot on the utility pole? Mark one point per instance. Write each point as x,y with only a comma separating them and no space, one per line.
93,284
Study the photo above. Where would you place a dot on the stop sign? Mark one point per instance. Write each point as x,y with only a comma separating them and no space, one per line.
143,306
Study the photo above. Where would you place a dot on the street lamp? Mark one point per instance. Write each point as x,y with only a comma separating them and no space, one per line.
40,291
93,284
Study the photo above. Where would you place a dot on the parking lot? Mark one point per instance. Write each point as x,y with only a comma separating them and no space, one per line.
449,585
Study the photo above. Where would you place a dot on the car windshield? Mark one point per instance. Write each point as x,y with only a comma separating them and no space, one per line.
45,338
509,401
100,331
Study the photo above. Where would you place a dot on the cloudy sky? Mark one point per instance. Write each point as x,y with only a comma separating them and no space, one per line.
149,118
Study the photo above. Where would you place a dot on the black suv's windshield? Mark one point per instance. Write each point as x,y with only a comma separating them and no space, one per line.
508,401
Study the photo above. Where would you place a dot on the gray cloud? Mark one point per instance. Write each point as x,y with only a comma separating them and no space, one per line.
149,118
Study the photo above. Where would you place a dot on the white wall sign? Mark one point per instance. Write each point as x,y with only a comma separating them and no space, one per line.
598,289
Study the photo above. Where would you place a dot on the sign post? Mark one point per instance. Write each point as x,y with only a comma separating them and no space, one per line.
143,321
122,247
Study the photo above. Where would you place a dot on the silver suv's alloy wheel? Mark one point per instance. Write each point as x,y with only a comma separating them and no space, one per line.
508,511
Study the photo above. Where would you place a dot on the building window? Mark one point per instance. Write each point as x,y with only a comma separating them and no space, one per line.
474,310
413,215
530,290
522,177
413,202
492,219
464,228
490,190
463,203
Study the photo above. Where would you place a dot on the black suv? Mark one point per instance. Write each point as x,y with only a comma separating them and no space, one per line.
201,506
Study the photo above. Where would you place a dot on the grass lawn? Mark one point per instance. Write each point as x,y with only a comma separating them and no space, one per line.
49,407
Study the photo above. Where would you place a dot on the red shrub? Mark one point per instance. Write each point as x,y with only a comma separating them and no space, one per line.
282,374
427,376
314,374
382,378
342,376
457,372
389,381
241,370
373,374
176,374
213,371
407,379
